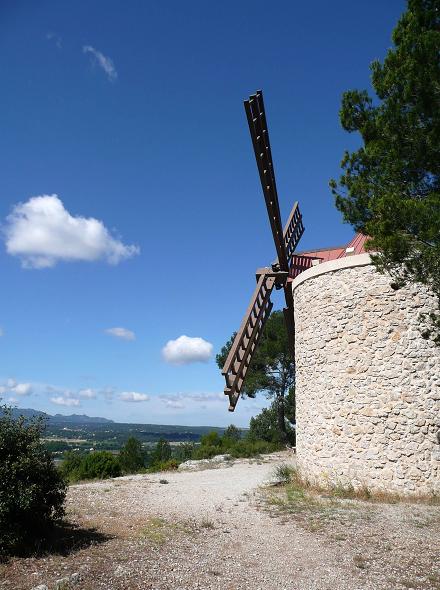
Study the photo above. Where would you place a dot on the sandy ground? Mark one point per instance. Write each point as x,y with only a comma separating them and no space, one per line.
226,529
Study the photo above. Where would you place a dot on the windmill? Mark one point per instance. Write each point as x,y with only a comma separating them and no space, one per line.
260,306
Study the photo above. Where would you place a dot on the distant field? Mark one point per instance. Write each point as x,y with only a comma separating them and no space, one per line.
62,437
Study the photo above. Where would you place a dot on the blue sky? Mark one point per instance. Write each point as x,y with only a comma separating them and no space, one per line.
131,113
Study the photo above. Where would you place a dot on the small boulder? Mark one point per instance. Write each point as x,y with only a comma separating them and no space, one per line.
192,464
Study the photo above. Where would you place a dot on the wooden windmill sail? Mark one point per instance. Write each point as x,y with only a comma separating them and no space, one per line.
251,329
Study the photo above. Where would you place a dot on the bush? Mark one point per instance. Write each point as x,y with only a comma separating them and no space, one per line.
161,453
99,465
251,448
96,465
212,439
32,490
232,433
207,452
170,465
70,466
212,444
264,426
131,457
184,451
283,473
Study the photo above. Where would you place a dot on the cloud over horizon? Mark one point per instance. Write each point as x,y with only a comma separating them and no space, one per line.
65,401
41,232
87,393
133,396
180,400
12,386
104,62
185,350
121,333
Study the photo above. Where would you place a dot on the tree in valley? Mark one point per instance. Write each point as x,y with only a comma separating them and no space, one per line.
264,426
232,433
131,456
162,452
390,186
271,371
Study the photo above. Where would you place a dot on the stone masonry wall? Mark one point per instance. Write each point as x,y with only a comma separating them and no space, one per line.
367,383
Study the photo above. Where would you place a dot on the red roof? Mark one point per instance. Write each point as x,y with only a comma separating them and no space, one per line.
304,260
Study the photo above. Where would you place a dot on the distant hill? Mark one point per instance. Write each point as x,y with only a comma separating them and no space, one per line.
27,413
97,424
79,419
59,418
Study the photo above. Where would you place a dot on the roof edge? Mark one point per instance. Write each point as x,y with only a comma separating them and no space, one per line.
331,266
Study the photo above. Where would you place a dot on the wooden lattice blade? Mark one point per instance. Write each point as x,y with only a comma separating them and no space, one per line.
246,339
293,230
260,140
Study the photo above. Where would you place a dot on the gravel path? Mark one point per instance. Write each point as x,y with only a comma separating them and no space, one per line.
214,529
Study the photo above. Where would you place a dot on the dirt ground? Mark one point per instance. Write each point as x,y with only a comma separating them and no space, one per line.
230,528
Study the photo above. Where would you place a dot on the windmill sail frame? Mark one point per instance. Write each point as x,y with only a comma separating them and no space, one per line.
252,326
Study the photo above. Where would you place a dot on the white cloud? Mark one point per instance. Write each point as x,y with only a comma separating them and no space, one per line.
133,396
181,400
173,404
185,350
12,400
41,232
64,401
12,386
103,62
87,393
121,333
206,397
22,389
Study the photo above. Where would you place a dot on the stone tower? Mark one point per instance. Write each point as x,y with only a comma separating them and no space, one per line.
367,382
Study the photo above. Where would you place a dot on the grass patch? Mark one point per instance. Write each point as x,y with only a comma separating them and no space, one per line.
206,523
335,509
294,496
158,531
283,473
299,486
155,530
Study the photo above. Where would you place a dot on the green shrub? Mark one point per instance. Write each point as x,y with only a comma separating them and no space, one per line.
251,448
169,465
283,473
232,433
212,439
96,465
264,426
32,490
206,452
99,465
161,453
69,468
184,451
131,457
